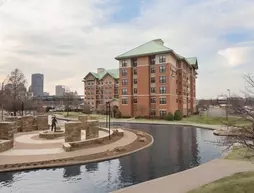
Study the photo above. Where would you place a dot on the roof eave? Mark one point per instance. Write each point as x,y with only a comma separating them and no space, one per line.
140,55
87,75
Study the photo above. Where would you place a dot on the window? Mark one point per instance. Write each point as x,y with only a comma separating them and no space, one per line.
134,62
124,81
135,81
152,69
153,100
153,80
162,90
124,63
153,112
153,90
124,101
163,101
124,91
162,69
162,59
135,100
135,71
163,113
135,90
162,79
152,60
124,72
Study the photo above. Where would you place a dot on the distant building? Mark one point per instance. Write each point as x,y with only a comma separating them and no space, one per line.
37,84
45,94
60,90
101,87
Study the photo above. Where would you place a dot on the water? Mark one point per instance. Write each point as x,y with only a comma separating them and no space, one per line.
175,149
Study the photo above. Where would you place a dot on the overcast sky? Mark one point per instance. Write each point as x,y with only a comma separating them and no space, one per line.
65,39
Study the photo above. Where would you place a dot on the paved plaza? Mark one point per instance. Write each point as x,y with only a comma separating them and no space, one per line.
28,147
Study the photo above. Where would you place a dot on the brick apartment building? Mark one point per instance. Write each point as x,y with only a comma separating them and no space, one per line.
154,80
101,87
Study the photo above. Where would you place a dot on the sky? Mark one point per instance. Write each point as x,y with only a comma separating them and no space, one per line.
66,39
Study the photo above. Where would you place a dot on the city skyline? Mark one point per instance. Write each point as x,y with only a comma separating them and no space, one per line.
65,41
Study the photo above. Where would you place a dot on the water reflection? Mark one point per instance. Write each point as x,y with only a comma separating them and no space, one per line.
72,171
175,149
92,167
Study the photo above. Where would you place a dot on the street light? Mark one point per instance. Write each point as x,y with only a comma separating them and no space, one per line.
22,105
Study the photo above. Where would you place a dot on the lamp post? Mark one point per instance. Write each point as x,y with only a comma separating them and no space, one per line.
2,105
228,101
108,114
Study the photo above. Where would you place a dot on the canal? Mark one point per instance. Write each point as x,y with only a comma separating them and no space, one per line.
176,148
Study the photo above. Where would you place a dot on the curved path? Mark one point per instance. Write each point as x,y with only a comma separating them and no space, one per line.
128,138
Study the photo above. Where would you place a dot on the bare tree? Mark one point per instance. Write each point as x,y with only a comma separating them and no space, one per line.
101,109
242,134
69,100
15,89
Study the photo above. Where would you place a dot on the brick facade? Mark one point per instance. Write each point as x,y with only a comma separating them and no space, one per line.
100,87
151,85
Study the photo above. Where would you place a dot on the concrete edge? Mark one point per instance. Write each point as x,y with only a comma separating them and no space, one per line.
59,165
208,127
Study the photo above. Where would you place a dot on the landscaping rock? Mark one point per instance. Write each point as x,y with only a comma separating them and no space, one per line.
142,139
119,149
141,134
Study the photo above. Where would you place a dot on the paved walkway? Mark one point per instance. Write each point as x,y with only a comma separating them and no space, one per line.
128,138
190,179
28,138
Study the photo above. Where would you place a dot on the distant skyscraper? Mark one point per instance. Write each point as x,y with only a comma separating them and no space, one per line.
60,90
37,84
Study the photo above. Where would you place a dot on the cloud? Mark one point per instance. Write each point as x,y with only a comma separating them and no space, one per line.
237,55
66,39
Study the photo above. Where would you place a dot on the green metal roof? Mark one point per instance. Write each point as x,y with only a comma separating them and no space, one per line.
155,47
112,72
193,61
152,47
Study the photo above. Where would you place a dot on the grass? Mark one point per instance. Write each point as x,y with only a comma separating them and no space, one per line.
241,153
215,120
237,183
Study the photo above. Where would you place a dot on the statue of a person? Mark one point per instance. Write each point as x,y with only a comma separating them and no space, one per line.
53,123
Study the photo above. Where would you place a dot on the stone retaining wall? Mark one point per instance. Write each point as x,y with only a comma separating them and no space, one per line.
51,134
73,131
92,129
7,130
42,122
5,145
83,118
81,144
6,135
16,120
28,123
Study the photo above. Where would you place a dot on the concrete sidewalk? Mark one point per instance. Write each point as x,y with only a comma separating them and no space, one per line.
187,180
